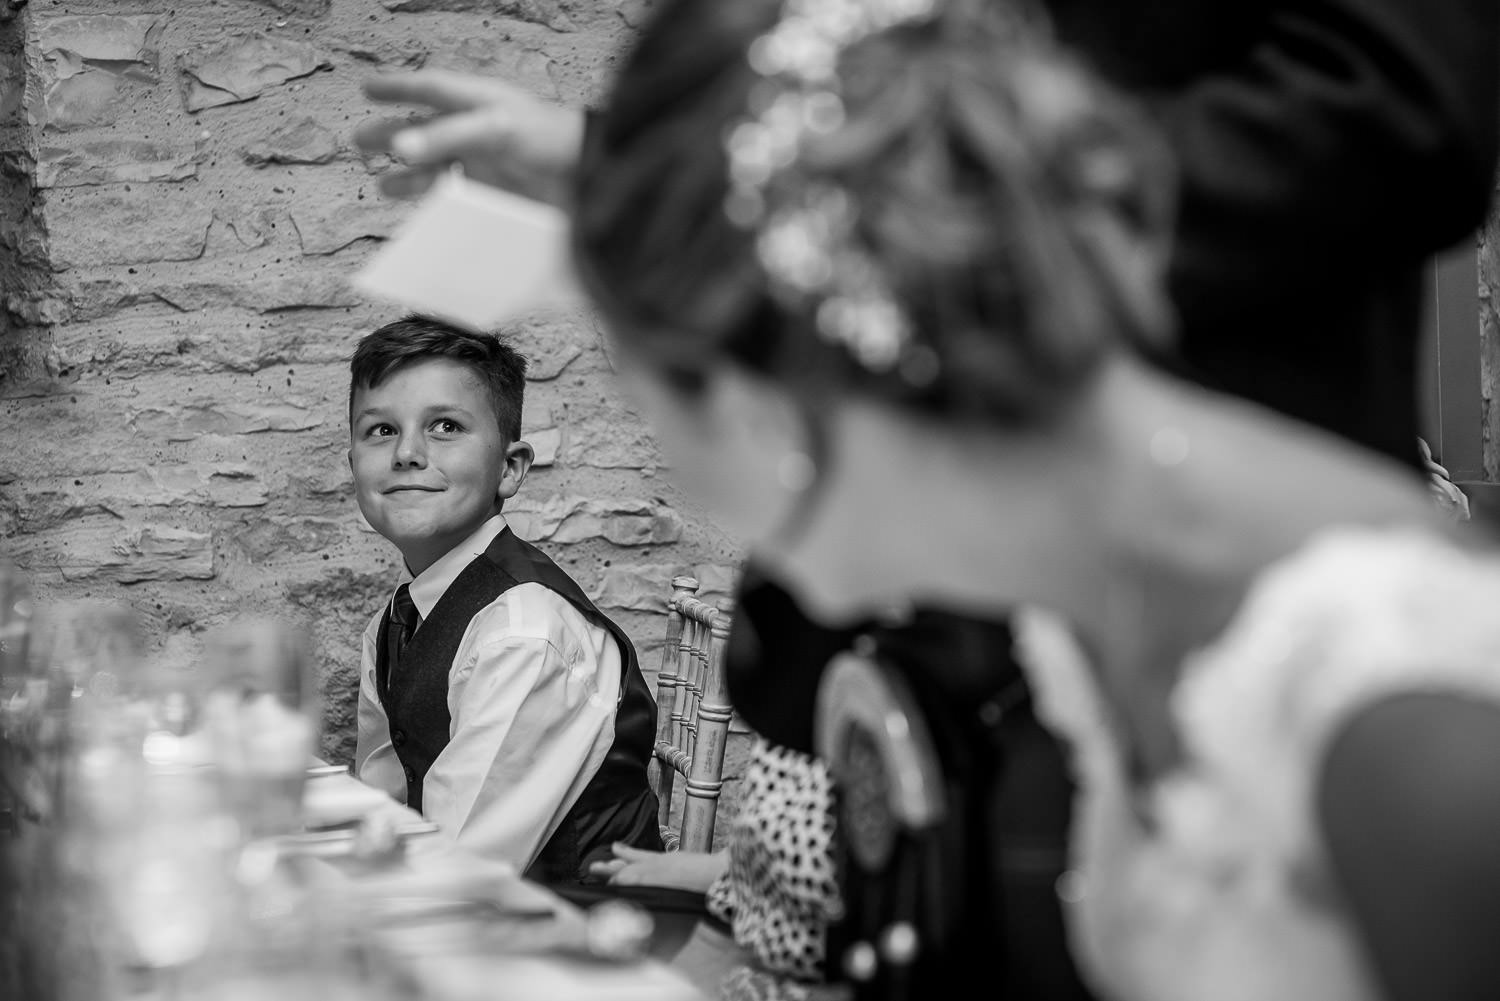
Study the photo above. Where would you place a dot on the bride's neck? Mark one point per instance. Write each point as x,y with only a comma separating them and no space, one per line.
978,519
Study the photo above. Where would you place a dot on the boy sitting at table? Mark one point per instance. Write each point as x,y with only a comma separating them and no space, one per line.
494,697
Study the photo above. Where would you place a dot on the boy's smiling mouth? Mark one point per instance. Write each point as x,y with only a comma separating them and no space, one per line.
411,486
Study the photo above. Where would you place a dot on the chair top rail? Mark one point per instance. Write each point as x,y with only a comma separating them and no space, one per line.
697,611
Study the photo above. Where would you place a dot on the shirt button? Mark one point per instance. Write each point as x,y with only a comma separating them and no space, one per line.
398,737
411,775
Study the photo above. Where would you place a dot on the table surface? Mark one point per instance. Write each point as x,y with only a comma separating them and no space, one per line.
436,923
460,959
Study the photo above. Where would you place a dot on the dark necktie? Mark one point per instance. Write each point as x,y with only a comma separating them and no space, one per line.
404,622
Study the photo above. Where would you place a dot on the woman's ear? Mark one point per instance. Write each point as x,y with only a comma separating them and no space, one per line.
518,458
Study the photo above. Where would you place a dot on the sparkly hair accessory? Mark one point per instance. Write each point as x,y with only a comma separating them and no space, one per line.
806,240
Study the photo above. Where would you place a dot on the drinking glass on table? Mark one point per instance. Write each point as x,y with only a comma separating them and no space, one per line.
141,840
21,699
260,715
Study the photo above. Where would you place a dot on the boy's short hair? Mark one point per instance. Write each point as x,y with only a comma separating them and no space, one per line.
416,338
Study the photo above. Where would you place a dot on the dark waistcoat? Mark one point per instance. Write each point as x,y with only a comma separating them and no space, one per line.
617,804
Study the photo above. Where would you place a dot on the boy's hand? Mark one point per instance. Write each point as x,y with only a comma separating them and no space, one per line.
680,870
499,133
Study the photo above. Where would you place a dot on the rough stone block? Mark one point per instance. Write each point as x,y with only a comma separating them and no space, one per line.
267,540
546,12
230,485
545,441
380,50
243,67
184,422
500,56
89,62
151,342
577,519
104,38
550,341
331,481
37,309
302,141
251,226
639,587
191,296
92,298
329,226
56,500
12,90
608,437
140,552
635,13
301,8
82,101
232,347
302,291
112,161
141,228
10,517
644,525
343,591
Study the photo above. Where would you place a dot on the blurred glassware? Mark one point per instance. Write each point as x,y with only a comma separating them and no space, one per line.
21,698
25,861
290,934
146,784
261,717
68,738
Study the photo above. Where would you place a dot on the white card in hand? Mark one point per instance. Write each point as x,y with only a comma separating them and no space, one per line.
473,255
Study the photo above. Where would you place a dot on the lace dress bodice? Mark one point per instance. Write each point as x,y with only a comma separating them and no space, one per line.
1212,881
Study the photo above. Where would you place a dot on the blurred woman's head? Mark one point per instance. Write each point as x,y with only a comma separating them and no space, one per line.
939,213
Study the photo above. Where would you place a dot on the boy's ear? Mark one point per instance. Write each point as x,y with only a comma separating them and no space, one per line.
518,458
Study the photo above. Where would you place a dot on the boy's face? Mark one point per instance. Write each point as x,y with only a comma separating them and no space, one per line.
430,463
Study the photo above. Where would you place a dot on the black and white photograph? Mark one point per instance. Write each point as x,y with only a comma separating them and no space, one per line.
749,500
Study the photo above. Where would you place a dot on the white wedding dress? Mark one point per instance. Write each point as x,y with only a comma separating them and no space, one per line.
1224,895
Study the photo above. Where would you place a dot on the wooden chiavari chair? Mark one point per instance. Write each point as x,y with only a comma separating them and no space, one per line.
692,715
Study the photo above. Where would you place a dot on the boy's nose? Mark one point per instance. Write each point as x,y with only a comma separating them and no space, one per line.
410,452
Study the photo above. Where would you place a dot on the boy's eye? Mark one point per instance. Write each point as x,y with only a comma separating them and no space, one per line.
379,431
443,425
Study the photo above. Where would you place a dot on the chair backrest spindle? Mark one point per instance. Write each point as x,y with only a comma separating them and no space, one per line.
693,714
705,776
668,686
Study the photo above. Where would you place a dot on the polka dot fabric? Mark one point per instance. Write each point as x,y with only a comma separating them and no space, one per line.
780,893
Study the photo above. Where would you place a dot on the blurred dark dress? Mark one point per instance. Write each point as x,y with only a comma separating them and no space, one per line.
981,888
1326,149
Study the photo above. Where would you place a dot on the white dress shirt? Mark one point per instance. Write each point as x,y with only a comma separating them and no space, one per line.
532,695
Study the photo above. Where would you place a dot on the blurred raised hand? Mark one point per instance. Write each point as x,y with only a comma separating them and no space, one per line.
1445,492
694,871
498,133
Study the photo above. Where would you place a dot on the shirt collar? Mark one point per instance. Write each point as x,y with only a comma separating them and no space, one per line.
428,587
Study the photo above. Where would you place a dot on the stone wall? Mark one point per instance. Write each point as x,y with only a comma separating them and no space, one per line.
180,208
1489,332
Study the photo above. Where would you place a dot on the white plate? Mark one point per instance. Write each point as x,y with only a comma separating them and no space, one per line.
334,800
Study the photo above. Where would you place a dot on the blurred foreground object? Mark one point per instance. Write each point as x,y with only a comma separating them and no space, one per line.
23,863
473,255
260,717
138,793
56,925
500,134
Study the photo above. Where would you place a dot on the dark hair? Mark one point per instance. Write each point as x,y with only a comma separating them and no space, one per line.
414,339
1010,201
